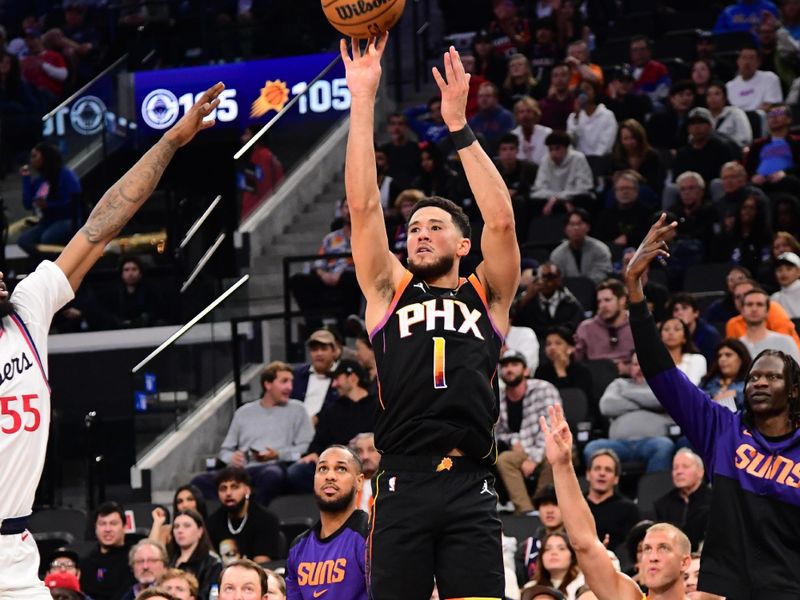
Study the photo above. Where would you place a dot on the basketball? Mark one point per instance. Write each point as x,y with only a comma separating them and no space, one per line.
363,19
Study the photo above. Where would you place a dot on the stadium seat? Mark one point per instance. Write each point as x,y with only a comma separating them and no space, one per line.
520,527
732,40
584,290
546,231
688,19
603,371
294,526
651,487
706,277
613,52
70,521
294,506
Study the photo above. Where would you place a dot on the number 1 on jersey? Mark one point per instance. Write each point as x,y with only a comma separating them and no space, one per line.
438,363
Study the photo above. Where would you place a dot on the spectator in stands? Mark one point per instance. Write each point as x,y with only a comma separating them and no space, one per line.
331,287
491,121
487,64
787,273
668,128
613,513
260,172
64,586
705,337
241,527
529,132
706,49
570,23
559,102
581,67
148,561
622,100
749,241
701,78
564,177
51,195
186,497
581,255
687,505
397,223
21,109
733,190
608,333
724,382
191,551
365,354
435,178
89,51
387,186
545,503
64,560
752,88
677,339
755,304
592,126
363,445
134,300
523,401
182,585
776,320
519,176
557,565
519,83
510,33
627,221
727,120
651,77
243,579
105,573
692,576
312,381
773,161
632,151
743,15
560,369
639,424
352,412
339,537
546,302
720,311
43,68
696,220
276,589
265,437
475,82
786,215
705,153
402,153
545,53
426,121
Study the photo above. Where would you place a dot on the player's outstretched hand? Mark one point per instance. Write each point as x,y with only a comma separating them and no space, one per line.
363,69
653,246
184,130
557,436
455,89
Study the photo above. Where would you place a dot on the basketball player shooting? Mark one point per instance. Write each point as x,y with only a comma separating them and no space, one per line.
437,340
26,316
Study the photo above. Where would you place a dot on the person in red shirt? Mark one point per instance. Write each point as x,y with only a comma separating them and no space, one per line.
44,69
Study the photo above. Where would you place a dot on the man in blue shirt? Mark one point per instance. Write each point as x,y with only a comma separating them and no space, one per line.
492,120
745,15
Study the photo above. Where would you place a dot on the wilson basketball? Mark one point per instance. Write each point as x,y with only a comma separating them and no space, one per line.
363,18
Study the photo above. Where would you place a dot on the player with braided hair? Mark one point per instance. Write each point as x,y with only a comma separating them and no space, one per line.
752,546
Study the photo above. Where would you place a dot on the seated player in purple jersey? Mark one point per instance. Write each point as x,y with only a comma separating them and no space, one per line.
330,557
752,545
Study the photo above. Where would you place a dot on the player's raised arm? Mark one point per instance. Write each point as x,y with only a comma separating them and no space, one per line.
499,271
605,581
127,195
377,269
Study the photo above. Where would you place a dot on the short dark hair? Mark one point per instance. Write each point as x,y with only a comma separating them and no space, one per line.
682,298
270,372
129,258
582,214
457,213
109,508
749,46
353,454
609,453
246,563
642,38
237,474
755,290
558,138
615,285
155,592
509,138
740,350
562,332
681,86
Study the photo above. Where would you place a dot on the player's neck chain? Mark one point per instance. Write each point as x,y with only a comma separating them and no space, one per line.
442,291
238,530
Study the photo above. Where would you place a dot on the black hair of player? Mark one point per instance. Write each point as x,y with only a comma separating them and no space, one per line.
457,213
791,378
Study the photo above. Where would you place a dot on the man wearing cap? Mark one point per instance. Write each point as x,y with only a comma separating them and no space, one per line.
705,153
667,128
64,586
706,49
523,402
312,381
623,101
546,503
787,272
64,560
351,413
264,437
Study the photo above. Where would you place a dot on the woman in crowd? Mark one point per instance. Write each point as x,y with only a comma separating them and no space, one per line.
519,82
487,64
557,565
678,339
633,151
276,586
560,369
724,382
186,497
728,120
437,179
701,77
190,550
750,240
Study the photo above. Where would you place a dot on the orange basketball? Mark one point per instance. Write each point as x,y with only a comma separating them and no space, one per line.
363,18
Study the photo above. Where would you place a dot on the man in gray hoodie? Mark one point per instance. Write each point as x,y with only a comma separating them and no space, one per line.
639,424
564,177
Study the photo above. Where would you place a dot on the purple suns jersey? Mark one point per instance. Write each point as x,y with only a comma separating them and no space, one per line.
334,567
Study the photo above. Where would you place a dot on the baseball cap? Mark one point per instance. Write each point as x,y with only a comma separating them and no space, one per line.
321,336
546,494
536,590
700,114
347,366
64,552
789,258
66,581
513,355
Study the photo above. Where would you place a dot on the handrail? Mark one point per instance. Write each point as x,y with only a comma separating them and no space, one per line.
202,262
85,87
199,222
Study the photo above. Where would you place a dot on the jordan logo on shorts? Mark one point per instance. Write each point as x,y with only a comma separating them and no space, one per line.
485,489
392,481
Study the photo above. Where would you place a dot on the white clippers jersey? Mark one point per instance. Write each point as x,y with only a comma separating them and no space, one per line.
24,391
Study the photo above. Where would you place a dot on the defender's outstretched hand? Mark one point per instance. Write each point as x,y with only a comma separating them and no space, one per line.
653,246
363,70
557,437
455,90
192,122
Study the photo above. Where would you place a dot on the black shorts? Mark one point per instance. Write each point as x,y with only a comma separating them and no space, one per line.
427,523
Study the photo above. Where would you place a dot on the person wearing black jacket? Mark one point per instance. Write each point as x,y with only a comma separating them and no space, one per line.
560,369
546,303
190,550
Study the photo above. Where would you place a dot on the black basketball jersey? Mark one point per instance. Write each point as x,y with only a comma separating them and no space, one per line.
437,352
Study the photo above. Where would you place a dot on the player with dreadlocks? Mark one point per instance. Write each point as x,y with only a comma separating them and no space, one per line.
752,546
